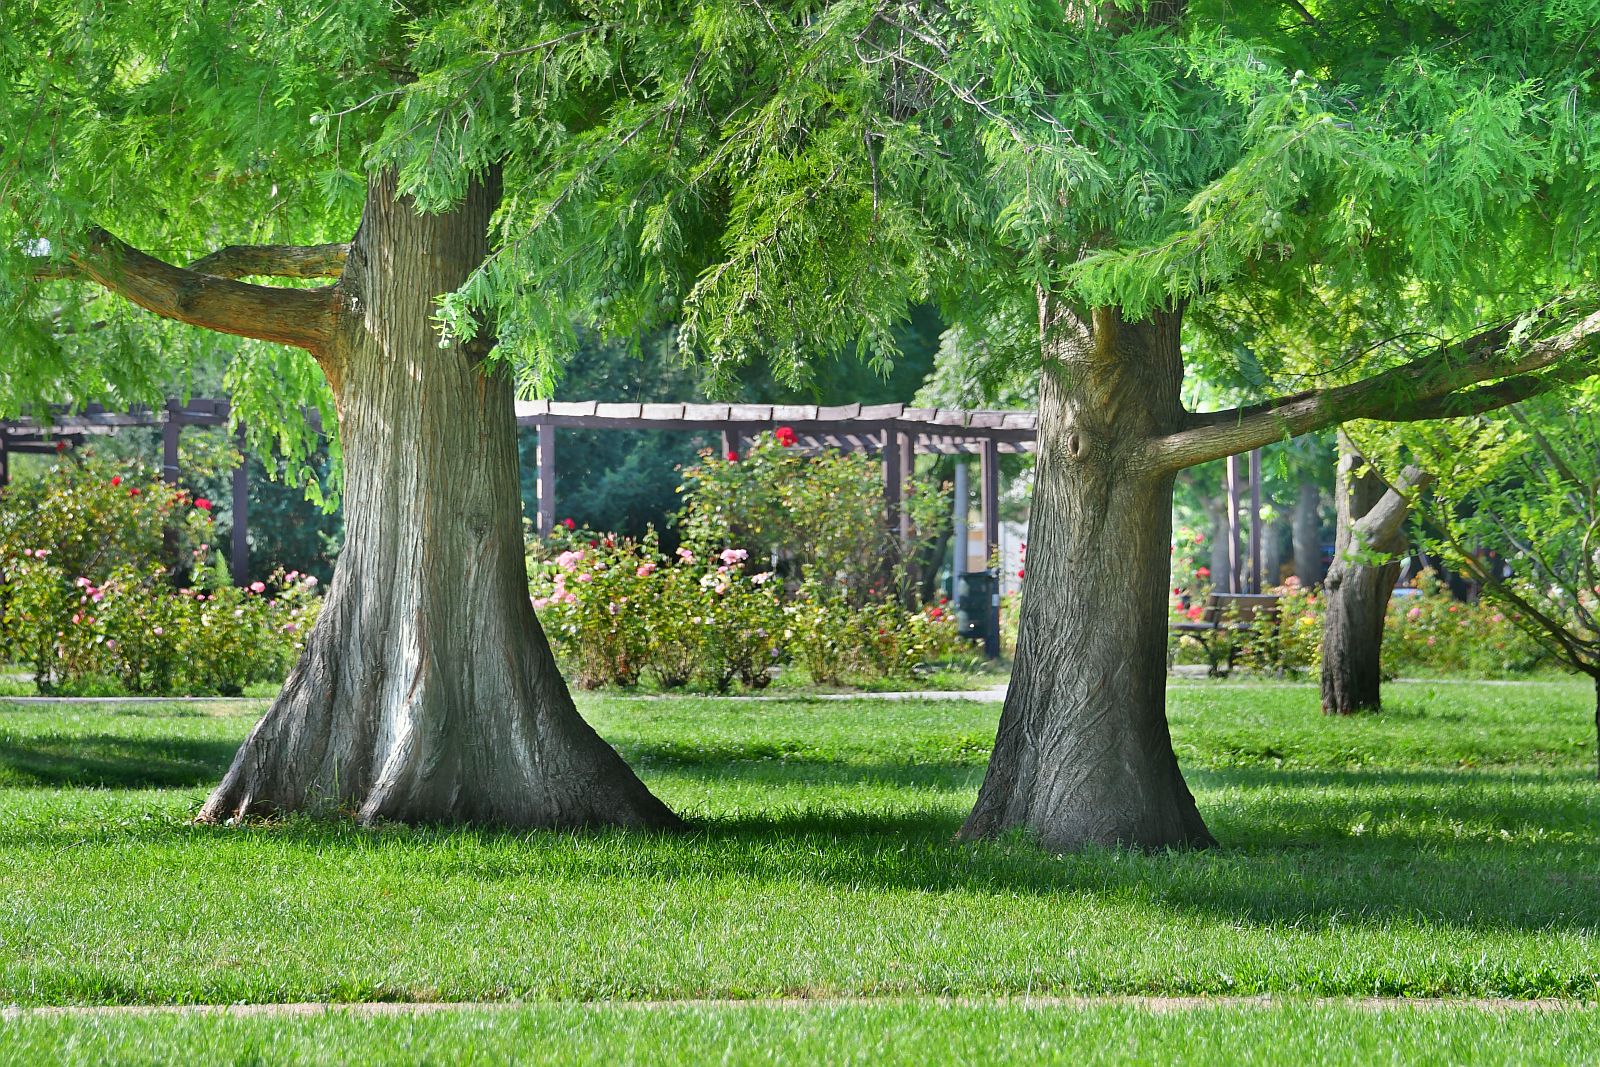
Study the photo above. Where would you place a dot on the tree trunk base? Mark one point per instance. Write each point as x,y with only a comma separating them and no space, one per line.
483,743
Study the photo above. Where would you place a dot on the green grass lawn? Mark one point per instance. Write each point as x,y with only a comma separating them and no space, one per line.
1449,847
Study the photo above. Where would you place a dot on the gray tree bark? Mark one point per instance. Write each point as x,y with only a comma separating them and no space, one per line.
1083,754
1307,533
427,692
1371,523
1217,514
1271,553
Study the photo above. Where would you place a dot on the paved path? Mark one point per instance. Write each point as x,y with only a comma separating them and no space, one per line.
991,695
1152,1004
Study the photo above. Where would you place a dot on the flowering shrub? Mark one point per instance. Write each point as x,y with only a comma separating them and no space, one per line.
617,612
1434,632
1426,630
820,518
88,600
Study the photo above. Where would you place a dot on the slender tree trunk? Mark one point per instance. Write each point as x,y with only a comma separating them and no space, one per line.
1357,590
427,692
1083,755
1271,553
1308,535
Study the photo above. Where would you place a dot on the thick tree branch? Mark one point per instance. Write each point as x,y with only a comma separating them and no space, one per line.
1383,520
1438,386
299,317
274,261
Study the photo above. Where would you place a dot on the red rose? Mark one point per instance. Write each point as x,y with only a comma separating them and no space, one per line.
1021,572
733,457
61,446
202,503
569,524
116,479
1204,572
133,492
785,435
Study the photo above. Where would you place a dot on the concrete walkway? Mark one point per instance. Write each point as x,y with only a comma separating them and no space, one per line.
995,694
1152,1004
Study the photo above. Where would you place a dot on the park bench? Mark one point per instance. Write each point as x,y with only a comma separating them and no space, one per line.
1224,617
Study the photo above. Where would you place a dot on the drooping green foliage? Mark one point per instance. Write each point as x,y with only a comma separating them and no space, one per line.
787,178
1515,507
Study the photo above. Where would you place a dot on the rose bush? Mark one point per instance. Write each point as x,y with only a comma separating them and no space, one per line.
618,611
815,518
95,596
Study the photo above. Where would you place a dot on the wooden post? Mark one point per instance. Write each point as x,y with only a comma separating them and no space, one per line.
547,478
908,466
989,475
5,463
239,550
893,479
1255,520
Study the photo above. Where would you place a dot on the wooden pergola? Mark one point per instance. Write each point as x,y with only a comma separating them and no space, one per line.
894,431
73,427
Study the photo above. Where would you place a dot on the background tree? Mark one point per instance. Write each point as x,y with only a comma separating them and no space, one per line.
427,692
1516,501
787,178
1370,537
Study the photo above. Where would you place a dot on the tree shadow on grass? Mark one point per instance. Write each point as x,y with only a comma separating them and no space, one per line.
1303,850
1470,849
112,761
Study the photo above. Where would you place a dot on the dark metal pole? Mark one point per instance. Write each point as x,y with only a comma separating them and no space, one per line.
960,522
239,551
989,457
547,478
1255,520
169,443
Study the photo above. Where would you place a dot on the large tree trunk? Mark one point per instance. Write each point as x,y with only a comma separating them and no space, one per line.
1308,535
1083,755
1357,588
427,692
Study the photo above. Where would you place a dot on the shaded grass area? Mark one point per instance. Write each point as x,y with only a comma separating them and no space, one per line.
1448,847
869,1034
